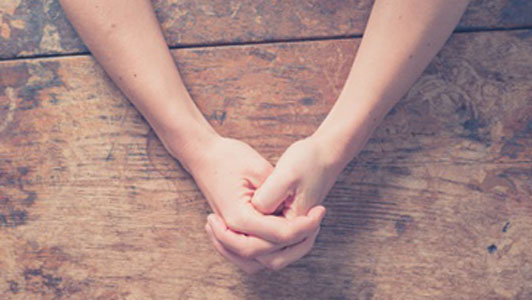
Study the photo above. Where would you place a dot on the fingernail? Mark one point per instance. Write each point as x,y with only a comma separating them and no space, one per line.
255,197
210,218
323,212
318,212
323,209
217,221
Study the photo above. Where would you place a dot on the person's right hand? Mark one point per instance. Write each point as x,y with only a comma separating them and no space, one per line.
228,172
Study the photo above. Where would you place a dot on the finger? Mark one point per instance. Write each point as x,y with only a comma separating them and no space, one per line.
248,265
278,230
259,173
273,192
283,258
245,246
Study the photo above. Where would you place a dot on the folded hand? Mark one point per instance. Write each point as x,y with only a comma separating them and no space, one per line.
228,175
301,180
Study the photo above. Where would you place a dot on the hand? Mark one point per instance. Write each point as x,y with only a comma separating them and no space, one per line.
278,258
302,178
228,174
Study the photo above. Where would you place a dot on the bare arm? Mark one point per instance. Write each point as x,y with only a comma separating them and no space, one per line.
400,40
126,39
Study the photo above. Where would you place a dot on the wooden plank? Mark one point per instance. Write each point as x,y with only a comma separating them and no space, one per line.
437,205
33,27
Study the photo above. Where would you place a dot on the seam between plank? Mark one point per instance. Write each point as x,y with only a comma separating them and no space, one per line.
264,42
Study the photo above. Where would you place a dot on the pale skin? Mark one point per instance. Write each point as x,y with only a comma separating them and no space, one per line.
242,188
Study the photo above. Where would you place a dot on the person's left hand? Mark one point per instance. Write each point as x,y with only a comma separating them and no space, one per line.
301,179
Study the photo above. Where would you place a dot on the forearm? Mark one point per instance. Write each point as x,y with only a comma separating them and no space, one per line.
400,40
126,39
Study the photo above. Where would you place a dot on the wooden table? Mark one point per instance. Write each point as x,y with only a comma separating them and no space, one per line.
437,206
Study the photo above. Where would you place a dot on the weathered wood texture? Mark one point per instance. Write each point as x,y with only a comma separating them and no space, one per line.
437,206
39,27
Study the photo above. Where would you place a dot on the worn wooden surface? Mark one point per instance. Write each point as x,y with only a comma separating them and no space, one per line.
437,206
38,27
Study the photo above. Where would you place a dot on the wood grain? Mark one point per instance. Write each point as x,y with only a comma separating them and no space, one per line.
438,205
39,27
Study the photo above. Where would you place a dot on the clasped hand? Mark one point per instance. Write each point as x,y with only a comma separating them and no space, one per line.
263,216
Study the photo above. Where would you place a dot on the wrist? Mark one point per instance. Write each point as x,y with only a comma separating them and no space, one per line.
332,155
339,145
348,126
187,142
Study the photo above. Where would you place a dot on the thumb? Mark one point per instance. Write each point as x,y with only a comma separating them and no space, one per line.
273,192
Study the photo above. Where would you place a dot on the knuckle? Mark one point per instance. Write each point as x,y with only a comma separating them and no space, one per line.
279,237
259,205
265,168
247,252
232,222
265,209
275,265
290,173
235,221
286,235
